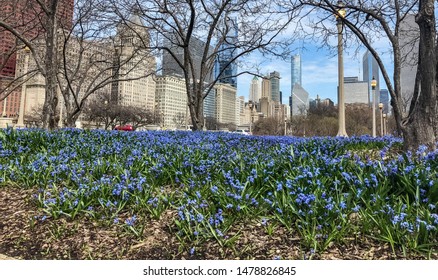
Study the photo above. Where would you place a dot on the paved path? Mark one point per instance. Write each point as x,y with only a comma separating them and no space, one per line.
3,257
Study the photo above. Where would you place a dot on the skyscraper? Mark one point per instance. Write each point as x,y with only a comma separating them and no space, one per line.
370,70
254,90
356,92
170,65
299,101
274,78
171,99
295,78
226,69
226,103
384,98
409,34
134,85
296,75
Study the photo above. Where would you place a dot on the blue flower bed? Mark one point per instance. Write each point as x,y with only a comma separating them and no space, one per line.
323,189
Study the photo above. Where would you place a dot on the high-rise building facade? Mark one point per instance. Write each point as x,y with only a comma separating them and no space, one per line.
355,91
299,101
384,98
210,104
254,90
370,71
226,96
266,88
171,67
409,34
171,98
296,79
296,74
274,78
134,80
225,68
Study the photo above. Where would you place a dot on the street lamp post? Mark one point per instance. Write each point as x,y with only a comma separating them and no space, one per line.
381,118
373,88
384,124
20,121
341,102
285,126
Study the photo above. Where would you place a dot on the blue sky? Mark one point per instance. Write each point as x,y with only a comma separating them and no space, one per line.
319,73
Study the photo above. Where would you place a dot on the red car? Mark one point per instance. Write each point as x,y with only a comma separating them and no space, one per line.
126,127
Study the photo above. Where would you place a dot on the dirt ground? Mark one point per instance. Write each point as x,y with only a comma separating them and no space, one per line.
22,237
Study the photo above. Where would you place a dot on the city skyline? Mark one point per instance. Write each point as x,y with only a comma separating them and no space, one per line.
319,73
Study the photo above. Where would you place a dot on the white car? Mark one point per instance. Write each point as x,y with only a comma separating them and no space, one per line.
244,132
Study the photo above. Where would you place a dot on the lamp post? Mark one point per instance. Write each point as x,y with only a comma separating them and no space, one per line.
285,126
20,121
384,124
381,118
340,15
373,88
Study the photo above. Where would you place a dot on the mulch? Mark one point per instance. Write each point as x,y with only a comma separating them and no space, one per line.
22,236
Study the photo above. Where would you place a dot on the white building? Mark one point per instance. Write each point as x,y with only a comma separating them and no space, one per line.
254,90
171,100
226,103
136,85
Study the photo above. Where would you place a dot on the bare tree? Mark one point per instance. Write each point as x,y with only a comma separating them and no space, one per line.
81,55
28,21
102,111
179,119
179,24
94,60
268,126
372,20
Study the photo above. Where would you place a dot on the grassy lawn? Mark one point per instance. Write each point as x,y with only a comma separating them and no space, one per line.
78,194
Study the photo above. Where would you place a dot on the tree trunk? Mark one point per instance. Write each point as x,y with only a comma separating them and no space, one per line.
419,127
51,63
196,107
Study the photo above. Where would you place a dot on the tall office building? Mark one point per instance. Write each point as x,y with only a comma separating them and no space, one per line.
226,96
225,68
296,79
370,70
384,98
210,104
254,90
299,101
171,66
26,17
135,85
409,34
266,88
171,99
356,92
296,74
274,78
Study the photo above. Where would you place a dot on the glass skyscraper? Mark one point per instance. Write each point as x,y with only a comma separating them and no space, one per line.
296,70
295,80
225,69
274,77
370,70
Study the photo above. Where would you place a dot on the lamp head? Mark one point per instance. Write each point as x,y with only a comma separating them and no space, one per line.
380,105
341,12
373,83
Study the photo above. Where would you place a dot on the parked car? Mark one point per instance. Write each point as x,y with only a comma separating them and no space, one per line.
126,127
242,131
